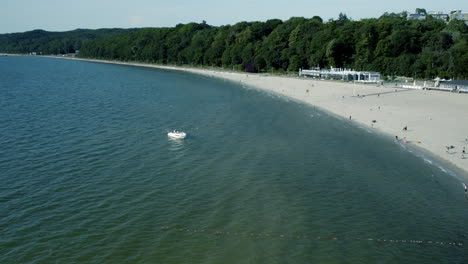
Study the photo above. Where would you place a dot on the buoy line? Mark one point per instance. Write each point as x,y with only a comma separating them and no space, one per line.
308,237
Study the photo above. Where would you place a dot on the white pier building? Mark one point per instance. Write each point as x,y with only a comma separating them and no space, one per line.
341,74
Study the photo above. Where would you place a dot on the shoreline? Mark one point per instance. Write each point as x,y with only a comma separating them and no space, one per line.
434,119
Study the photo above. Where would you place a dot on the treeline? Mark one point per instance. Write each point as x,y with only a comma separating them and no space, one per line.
45,42
391,45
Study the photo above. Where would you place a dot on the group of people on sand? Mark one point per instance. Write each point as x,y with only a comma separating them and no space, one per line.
402,139
405,128
452,147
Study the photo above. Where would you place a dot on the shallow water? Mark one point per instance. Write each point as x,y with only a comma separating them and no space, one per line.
89,175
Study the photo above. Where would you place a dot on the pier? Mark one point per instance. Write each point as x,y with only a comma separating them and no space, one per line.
342,74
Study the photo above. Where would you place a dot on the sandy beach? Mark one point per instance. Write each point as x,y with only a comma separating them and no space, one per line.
434,120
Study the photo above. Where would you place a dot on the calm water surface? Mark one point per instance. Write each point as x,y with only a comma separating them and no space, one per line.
88,175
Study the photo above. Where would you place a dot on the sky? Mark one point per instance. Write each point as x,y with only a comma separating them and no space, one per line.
64,15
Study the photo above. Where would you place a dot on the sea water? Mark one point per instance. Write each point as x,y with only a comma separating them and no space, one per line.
88,175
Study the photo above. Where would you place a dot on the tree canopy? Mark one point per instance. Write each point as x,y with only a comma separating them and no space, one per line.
391,44
46,42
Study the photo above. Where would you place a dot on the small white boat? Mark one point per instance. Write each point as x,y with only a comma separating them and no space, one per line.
177,134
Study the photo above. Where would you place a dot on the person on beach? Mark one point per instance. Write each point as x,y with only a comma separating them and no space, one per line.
405,128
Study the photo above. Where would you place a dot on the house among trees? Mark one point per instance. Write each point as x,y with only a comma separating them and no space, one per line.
458,14
439,15
421,14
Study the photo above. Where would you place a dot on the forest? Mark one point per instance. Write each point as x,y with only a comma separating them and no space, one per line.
52,43
390,44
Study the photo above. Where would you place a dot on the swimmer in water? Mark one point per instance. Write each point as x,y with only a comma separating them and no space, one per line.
466,191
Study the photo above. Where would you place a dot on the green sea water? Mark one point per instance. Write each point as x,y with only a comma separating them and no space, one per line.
88,175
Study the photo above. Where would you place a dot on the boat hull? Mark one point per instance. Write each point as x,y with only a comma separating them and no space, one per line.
176,135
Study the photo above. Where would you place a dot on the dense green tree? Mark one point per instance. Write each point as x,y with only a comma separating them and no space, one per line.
45,42
390,44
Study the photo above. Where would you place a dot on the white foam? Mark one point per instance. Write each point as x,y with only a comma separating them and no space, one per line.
428,161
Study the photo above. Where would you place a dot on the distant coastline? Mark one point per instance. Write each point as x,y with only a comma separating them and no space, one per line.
391,45
434,120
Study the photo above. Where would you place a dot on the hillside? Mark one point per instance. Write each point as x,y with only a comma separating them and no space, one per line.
390,44
46,42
